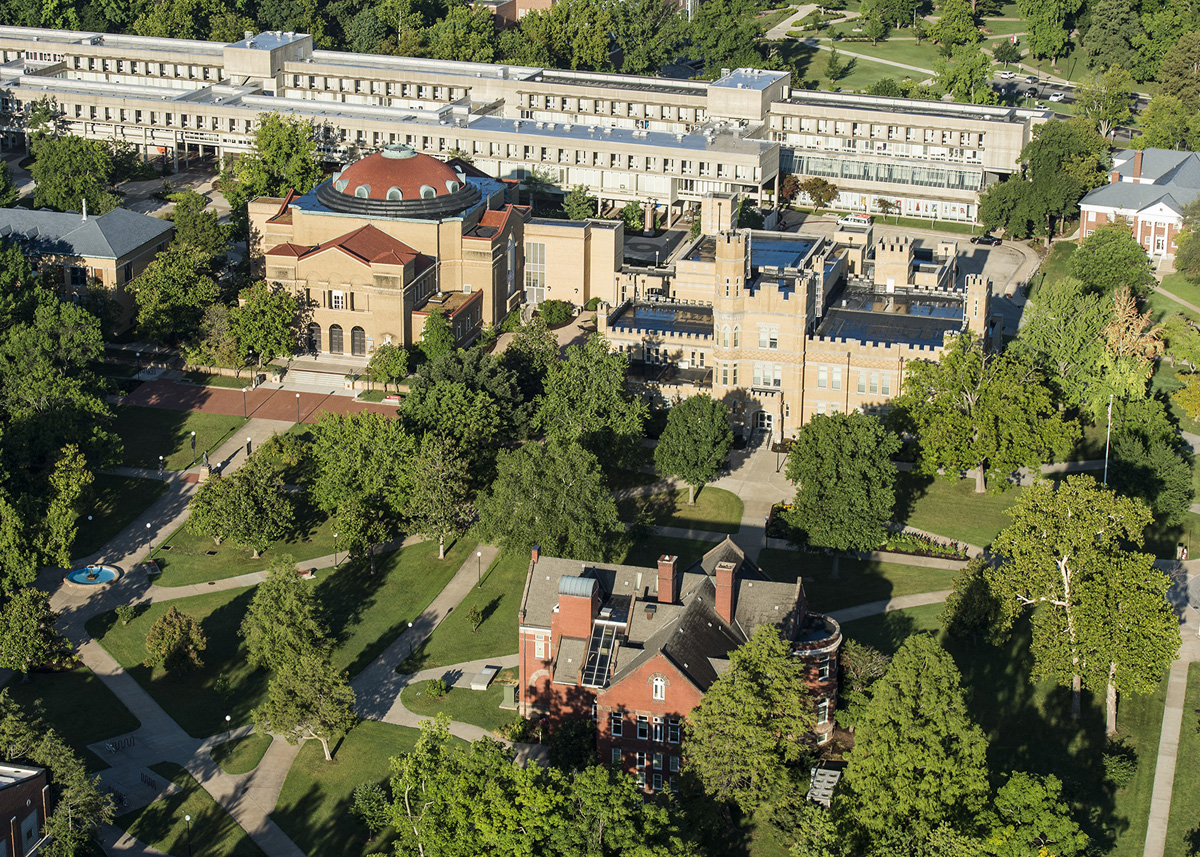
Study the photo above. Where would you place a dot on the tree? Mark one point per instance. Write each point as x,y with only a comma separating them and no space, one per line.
1155,469
250,508
437,338
695,442
1188,396
967,75
1114,29
68,171
173,294
530,355
1028,816
633,216
586,402
819,191
833,65
1063,332
468,419
1110,257
28,637
1009,205
861,666
989,413
217,344
919,760
197,228
1167,123
475,371
725,33
307,699
1182,341
1065,551
956,26
68,482
972,607
1105,98
388,365
554,496
749,728
874,27
175,642
578,204
789,187
1132,341
539,181
440,500
1179,72
887,206
842,468
265,322
1063,161
1047,33
8,190
284,157
1006,52
465,33
649,34
283,621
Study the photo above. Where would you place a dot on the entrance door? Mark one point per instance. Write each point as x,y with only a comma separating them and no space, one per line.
1160,243
763,421
314,337
335,339
358,342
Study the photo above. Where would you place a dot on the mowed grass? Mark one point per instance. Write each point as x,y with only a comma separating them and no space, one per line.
479,707
1029,726
314,806
207,379
1183,828
645,552
1183,288
114,502
716,510
364,612
857,581
184,556
161,825
1055,266
148,433
78,705
951,508
241,755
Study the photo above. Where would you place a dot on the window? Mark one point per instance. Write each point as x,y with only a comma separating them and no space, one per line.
127,272
673,764
78,276
337,300
658,729
657,782
673,730
362,191
837,377
639,759
822,377
768,337
643,727
885,383
427,192
660,687
616,724
862,381
822,712
874,382
535,272
823,666
539,648
725,337
641,779
616,755
394,193
737,336
658,761
735,367
724,374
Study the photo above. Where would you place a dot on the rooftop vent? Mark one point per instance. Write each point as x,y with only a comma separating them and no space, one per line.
650,610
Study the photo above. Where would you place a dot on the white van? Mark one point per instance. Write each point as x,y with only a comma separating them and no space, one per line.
855,220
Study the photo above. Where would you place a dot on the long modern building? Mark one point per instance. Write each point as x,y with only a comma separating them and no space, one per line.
662,142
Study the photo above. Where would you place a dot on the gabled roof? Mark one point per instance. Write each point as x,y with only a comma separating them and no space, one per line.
1167,177
367,244
111,235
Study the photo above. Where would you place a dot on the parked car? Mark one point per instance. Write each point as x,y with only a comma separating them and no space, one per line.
855,220
1007,75
985,240
1031,79
1031,93
1057,96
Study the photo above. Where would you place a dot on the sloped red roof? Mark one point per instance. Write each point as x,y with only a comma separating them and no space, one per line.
367,244
397,168
289,249
284,215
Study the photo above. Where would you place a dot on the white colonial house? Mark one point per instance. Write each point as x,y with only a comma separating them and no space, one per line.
1148,189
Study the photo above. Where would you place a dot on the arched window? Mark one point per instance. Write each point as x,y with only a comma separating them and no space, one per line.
395,193
314,336
340,185
725,336
453,186
737,336
358,342
427,192
335,339
362,191
660,687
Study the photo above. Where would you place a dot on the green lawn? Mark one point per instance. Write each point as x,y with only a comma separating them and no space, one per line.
716,510
1030,728
1055,266
645,552
480,707
150,432
314,806
857,581
1167,380
951,508
372,395
907,52
1005,28
241,755
1162,306
184,557
1183,829
207,379
811,64
365,613
1182,287
78,705
161,825
115,501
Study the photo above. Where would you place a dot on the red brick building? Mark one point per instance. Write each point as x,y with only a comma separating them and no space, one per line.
637,648
24,805
1148,189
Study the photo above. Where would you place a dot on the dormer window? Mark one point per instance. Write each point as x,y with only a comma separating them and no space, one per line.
340,185
363,191
453,187
427,192
394,193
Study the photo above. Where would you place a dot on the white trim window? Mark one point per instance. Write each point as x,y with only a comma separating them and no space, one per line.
823,712
616,724
337,300
659,687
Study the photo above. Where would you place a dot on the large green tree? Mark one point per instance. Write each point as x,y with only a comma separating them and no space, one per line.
440,505
842,468
1063,332
974,411
1168,123
68,171
1110,257
437,339
1109,40
1104,620
173,294
28,638
956,25
1028,816
284,157
389,364
283,620
919,760
307,698
649,34
1179,72
197,228
750,727
1048,25
266,322
1105,98
695,442
250,507
175,642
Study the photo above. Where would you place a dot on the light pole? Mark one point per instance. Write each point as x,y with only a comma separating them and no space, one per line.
150,538
244,389
478,569
297,407
410,641
138,364
1107,438
227,718
247,447
335,550
193,449
188,819
160,467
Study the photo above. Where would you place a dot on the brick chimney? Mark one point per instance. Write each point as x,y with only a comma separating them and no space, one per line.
726,581
1137,164
1114,177
536,553
668,578
578,605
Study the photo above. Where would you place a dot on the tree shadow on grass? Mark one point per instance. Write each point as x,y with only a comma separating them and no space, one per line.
347,594
910,487
490,608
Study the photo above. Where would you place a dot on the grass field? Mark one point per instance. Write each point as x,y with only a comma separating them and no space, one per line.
212,831
207,379
1056,265
1183,829
1182,287
1030,729
716,510
857,581
150,432
951,508
241,755
645,552
314,806
480,707
907,52
1162,306
115,501
184,557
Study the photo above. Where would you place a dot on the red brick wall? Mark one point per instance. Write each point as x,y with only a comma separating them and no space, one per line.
14,809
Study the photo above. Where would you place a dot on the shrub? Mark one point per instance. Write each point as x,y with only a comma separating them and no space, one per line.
371,806
127,613
175,642
511,322
1120,764
592,304
555,312
437,688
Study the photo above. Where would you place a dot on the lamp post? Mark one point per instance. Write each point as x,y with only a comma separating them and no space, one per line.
160,467
297,407
150,538
138,364
227,719
478,569
335,550
247,447
188,819
244,389
193,449
410,642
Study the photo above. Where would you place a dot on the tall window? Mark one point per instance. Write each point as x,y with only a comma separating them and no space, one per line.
737,336
658,729
725,337
337,300
673,730
837,377
616,724
874,382
862,381
822,377
822,712
539,648
616,755
643,727
535,272
885,383
660,687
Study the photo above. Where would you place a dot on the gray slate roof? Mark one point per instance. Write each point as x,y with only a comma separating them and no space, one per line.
107,236
1176,177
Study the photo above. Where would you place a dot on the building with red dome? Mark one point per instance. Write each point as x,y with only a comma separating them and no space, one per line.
397,234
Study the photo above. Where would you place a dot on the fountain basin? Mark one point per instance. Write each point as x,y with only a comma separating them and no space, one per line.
92,576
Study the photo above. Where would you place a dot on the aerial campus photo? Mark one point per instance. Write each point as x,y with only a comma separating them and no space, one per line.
599,428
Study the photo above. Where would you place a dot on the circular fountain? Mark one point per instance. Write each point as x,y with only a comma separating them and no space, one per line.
92,576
